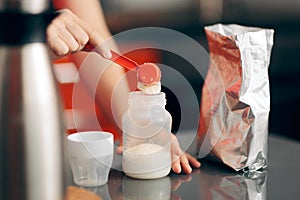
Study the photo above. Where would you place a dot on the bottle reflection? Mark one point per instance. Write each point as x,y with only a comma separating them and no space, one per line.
158,189
126,188
122,187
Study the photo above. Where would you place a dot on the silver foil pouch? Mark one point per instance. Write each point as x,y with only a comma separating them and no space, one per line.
235,101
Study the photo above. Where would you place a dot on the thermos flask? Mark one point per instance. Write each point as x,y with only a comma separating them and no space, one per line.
31,128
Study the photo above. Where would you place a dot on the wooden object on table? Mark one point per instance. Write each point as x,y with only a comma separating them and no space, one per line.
76,193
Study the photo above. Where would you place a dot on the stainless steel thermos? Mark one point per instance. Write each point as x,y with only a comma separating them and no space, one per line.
31,128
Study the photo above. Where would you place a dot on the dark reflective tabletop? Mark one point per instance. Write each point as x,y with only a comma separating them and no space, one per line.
214,181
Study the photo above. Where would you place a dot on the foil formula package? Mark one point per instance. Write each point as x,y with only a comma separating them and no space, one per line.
235,100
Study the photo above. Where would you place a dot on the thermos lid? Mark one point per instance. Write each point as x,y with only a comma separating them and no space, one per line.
24,21
25,6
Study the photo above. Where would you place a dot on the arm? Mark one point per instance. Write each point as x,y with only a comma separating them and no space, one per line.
91,13
112,75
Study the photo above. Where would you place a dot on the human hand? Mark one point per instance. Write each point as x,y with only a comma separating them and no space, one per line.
180,159
68,34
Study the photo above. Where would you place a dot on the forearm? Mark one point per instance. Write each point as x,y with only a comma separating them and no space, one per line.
107,82
103,78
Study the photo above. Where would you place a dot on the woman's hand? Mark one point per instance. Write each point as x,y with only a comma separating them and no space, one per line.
181,161
68,34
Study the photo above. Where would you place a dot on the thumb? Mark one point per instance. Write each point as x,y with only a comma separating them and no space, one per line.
96,42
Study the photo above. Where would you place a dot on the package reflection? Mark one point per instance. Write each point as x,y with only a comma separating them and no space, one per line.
248,186
122,187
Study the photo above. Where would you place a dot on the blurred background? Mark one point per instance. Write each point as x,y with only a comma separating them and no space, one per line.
190,16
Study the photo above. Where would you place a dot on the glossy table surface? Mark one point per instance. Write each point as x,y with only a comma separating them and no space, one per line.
280,180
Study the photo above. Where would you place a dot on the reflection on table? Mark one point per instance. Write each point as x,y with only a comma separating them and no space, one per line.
205,183
215,181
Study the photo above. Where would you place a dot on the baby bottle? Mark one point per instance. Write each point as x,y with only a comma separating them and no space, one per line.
147,136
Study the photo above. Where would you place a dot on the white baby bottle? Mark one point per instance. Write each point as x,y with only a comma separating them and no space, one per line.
147,136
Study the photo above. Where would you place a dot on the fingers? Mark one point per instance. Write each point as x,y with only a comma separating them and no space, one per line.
58,46
181,164
185,164
176,153
176,166
70,41
60,34
193,161
95,39
76,34
119,150
182,161
67,34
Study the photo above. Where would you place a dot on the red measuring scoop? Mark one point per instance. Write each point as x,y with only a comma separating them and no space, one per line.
147,73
